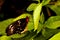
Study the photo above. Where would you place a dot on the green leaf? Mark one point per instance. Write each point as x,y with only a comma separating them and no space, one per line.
29,36
36,15
39,37
39,27
41,23
31,7
30,26
18,35
53,22
5,38
24,15
47,33
55,37
45,2
42,18
55,8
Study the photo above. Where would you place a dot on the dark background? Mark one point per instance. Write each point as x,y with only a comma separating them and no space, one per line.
13,8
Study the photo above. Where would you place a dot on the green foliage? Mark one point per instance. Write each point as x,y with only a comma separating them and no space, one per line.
55,8
36,15
24,15
47,33
30,26
29,36
42,18
56,37
32,7
45,2
37,28
40,26
41,23
5,38
53,22
18,35
40,37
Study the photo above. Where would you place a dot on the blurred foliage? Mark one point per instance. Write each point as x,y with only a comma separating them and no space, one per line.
38,28
55,37
53,22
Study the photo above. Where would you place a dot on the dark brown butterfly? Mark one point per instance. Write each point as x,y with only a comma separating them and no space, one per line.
17,26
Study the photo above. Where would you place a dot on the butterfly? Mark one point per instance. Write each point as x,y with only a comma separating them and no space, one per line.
17,27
